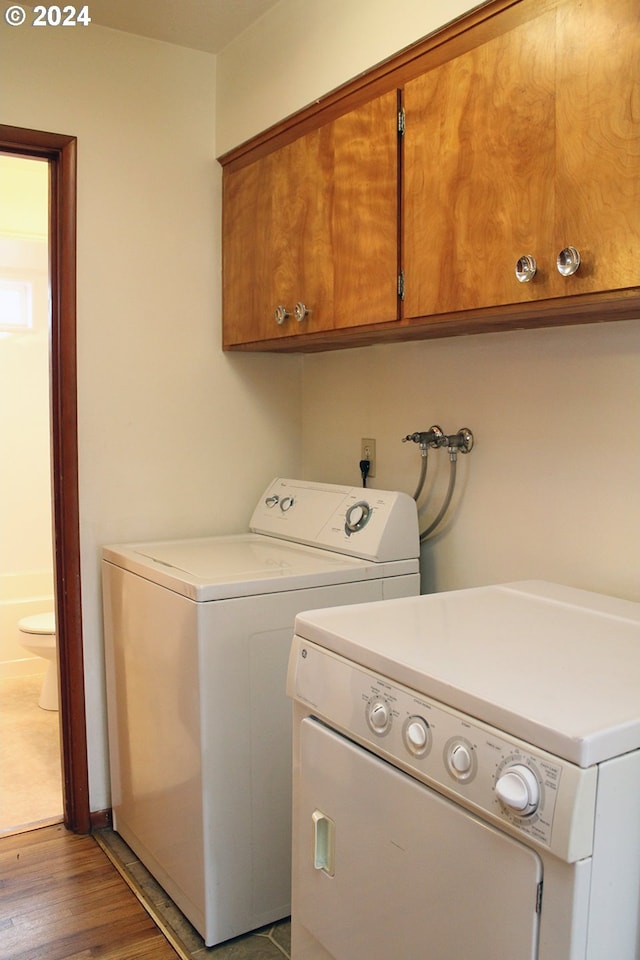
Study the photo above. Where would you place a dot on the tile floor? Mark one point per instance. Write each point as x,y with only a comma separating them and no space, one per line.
30,768
268,943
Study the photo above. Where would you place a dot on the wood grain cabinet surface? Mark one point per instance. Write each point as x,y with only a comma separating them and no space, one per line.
523,146
315,223
522,139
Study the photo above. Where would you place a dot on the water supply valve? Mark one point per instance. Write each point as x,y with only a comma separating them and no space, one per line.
462,441
433,437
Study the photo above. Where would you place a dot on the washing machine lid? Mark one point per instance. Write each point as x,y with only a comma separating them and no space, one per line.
242,565
555,666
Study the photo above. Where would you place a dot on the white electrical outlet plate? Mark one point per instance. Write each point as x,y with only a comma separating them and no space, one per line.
368,452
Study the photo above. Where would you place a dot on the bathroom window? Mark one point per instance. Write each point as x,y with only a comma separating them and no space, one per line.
16,310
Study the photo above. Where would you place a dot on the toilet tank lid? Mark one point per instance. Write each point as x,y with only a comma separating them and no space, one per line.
41,623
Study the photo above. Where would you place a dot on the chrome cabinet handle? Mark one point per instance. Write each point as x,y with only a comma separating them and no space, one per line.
568,261
526,268
281,314
300,311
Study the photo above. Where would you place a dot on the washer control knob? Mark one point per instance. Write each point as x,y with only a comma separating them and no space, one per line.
518,789
460,759
416,735
286,503
379,716
356,514
357,517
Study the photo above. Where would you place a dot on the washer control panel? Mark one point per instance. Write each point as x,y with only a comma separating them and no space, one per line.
524,789
379,525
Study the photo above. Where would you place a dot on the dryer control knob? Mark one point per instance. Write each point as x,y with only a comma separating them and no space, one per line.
460,759
379,716
417,736
519,790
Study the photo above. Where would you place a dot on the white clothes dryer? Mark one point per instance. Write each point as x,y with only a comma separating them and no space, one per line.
467,777
197,635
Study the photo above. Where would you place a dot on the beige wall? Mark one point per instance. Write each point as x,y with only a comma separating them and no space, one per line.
175,438
551,489
301,49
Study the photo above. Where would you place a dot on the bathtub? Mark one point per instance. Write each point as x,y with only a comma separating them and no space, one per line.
21,595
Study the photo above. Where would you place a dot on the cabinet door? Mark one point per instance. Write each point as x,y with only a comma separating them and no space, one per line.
479,167
364,220
598,143
316,222
273,212
247,302
526,144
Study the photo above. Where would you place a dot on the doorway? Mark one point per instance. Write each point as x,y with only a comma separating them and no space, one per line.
30,775
60,153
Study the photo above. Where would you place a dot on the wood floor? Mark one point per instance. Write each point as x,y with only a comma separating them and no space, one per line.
62,899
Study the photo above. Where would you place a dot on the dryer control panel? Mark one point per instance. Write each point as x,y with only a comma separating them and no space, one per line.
378,525
525,790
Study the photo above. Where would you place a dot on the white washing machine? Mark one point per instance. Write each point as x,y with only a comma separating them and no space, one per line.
467,777
197,635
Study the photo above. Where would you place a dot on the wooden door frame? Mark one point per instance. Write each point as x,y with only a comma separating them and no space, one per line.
60,152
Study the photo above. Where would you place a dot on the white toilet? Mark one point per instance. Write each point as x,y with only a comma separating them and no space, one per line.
38,636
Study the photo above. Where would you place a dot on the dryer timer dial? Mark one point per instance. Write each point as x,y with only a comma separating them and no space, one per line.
518,789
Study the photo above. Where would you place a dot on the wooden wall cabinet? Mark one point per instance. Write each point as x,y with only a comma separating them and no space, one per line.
525,145
522,138
314,222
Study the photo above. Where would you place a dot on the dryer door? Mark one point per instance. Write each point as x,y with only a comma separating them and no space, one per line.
385,867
